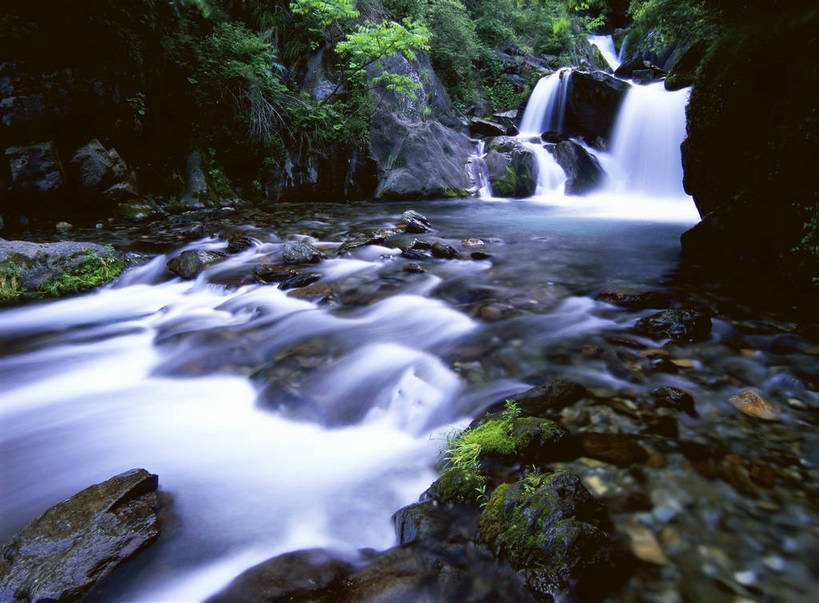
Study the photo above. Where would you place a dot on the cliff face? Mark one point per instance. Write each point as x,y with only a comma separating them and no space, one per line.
751,158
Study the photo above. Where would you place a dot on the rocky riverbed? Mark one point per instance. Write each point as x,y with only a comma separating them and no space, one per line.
674,429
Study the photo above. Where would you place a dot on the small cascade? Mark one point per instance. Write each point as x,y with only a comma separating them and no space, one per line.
605,44
547,105
646,141
550,176
480,171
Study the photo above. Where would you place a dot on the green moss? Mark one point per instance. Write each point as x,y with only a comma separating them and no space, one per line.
507,186
92,272
454,192
10,287
458,485
492,522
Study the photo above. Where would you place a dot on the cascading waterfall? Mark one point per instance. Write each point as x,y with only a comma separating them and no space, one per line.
547,105
481,171
545,112
646,141
606,46
621,56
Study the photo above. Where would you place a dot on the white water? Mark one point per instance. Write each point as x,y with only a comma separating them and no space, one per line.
96,393
646,141
547,105
606,46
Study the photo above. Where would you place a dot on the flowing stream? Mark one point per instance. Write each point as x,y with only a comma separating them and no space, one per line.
282,420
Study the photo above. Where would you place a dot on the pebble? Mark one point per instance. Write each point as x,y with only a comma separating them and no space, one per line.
63,226
774,563
746,578
596,485
684,363
751,403
644,545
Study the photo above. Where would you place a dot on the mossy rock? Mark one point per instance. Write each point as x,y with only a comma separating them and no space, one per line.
551,529
526,440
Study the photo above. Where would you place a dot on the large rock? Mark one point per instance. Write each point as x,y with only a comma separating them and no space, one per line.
102,172
759,200
39,263
484,127
583,171
592,102
63,553
631,68
35,170
300,574
418,151
512,168
197,184
679,325
551,530
191,262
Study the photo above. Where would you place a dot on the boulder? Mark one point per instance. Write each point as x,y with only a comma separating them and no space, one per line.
102,173
196,191
583,171
683,72
35,170
300,252
63,553
628,68
300,574
679,325
191,262
551,530
636,300
414,222
484,127
415,141
512,168
592,102
509,120
37,264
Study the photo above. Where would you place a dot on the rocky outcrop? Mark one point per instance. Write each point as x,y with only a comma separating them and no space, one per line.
592,102
640,70
512,168
583,171
63,553
757,189
417,151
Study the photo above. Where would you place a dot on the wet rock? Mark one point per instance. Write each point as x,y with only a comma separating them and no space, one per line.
480,255
553,137
551,530
679,325
238,242
445,572
550,397
379,236
135,210
751,403
414,268
299,575
445,251
63,227
636,300
583,172
415,254
614,448
637,68
673,397
512,168
484,127
190,263
300,252
271,273
764,475
592,103
414,222
197,190
299,280
63,553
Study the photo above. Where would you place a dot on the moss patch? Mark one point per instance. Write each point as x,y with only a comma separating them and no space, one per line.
93,271
10,287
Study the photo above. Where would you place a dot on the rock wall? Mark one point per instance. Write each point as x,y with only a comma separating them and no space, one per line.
750,158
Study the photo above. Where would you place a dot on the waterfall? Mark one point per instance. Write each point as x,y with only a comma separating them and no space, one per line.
621,56
547,105
480,171
606,46
646,141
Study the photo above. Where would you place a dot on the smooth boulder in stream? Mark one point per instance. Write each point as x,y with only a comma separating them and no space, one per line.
63,553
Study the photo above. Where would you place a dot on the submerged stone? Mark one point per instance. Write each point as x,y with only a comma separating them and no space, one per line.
190,263
751,403
679,325
300,252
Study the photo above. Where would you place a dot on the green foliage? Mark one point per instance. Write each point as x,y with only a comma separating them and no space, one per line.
10,287
91,272
662,23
